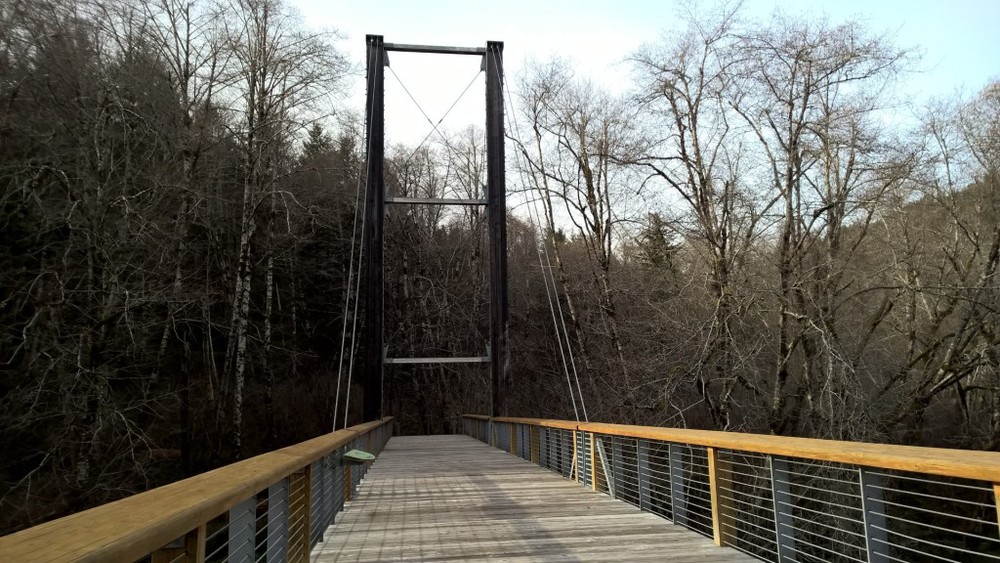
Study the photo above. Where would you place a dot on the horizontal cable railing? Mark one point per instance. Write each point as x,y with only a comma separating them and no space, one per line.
778,498
273,507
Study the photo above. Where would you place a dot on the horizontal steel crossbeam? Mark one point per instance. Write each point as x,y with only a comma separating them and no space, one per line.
403,48
466,360
434,201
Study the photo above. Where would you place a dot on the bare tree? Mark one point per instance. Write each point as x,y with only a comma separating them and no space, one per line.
578,134
801,81
696,148
280,70
947,264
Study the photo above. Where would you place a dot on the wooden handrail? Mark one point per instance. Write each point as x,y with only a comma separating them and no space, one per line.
967,464
131,528
666,474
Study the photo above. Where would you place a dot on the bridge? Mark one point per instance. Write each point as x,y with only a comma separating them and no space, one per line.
519,489
525,489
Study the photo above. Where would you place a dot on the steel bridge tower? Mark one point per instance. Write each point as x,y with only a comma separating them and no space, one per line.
497,354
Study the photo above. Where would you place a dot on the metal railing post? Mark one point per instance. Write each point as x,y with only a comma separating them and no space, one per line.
873,510
543,447
617,481
277,521
316,494
642,472
241,530
329,484
678,498
568,467
784,525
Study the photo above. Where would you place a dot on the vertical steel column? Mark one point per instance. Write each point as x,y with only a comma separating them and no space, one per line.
678,497
496,207
318,497
241,531
873,509
543,447
617,484
642,470
277,521
374,215
784,518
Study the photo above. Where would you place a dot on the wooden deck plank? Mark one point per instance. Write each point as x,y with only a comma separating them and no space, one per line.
453,498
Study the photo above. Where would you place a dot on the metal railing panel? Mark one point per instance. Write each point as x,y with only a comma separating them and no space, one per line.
786,499
298,497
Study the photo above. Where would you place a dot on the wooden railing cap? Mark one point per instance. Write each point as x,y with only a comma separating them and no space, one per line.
966,464
131,528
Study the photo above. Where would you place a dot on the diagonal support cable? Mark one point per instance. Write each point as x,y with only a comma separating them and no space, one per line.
434,126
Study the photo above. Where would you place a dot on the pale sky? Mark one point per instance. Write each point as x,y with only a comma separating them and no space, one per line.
959,40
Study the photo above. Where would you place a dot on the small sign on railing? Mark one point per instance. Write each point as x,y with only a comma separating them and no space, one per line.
358,456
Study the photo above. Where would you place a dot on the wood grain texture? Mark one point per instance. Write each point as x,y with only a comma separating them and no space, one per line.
135,526
967,464
434,498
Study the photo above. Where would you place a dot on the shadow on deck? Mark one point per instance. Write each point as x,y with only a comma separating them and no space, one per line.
454,498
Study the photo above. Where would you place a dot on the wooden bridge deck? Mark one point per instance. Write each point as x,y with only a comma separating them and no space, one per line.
453,498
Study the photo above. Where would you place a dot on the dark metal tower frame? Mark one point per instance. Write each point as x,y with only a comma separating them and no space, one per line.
496,208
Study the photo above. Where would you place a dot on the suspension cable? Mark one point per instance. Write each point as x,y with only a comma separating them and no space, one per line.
532,212
357,279
512,116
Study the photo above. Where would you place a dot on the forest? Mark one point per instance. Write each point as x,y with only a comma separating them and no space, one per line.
760,235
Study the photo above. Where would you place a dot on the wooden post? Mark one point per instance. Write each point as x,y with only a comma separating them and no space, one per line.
194,545
374,216
512,443
191,549
299,510
996,500
534,446
719,470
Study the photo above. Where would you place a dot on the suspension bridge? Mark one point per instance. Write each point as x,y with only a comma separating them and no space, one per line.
524,489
